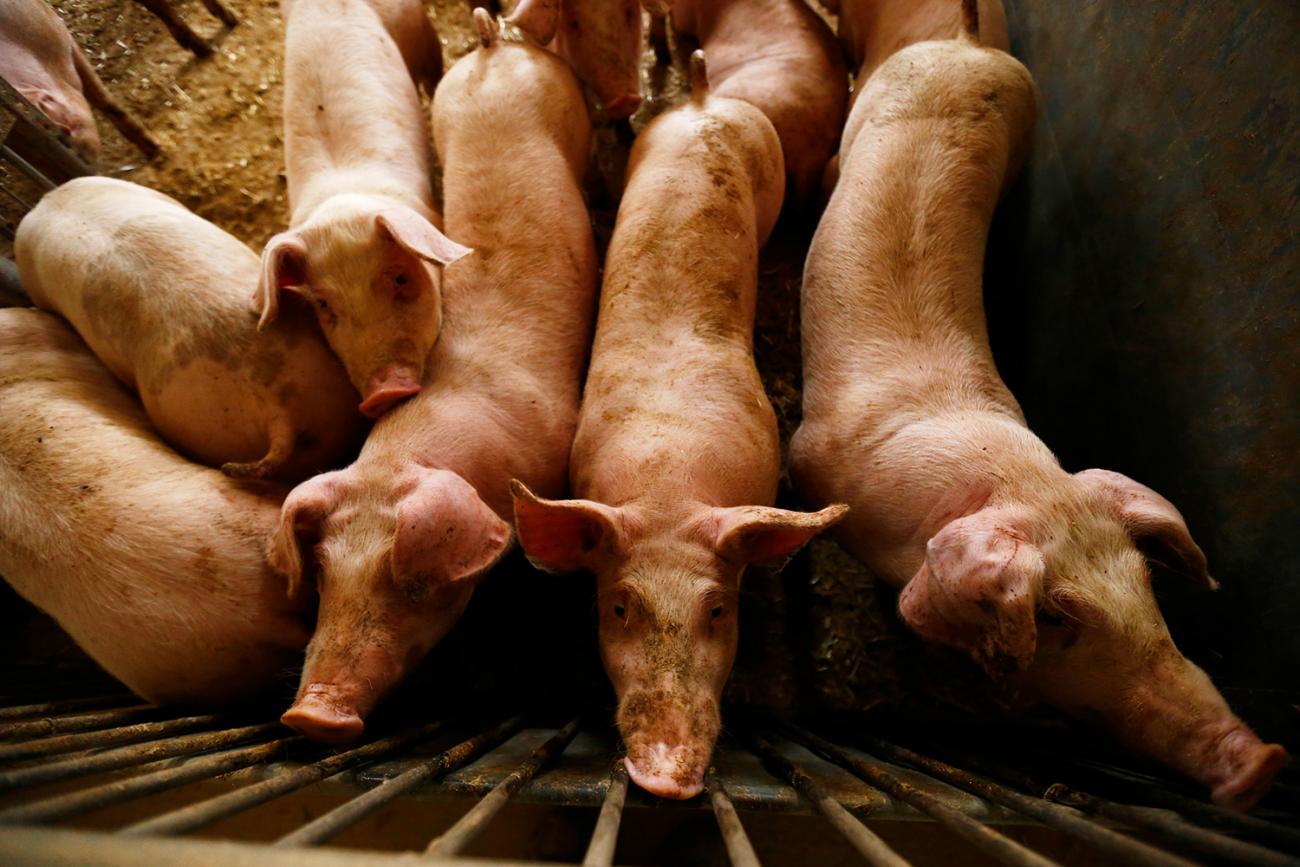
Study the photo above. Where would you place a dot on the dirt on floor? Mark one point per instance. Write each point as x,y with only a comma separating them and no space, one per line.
821,633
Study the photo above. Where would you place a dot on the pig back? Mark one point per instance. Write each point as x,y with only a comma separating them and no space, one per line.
153,565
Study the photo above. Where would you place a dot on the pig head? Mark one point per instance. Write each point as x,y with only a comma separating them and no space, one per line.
396,561
367,266
1059,595
667,590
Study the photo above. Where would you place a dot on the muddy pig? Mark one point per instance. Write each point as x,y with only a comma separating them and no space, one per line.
676,457
397,541
151,563
601,40
161,296
780,56
1036,572
364,238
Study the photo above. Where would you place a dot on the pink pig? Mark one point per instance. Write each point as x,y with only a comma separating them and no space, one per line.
872,30
398,540
601,40
780,56
364,234
676,456
151,563
999,551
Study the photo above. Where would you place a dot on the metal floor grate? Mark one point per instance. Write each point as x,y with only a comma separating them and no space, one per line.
62,760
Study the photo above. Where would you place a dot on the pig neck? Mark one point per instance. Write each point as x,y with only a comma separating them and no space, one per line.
726,31
338,137
674,413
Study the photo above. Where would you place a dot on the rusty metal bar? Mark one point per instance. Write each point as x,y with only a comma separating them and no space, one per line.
739,850
1194,837
972,830
111,760
76,722
330,824
459,835
604,838
867,844
102,738
84,800
204,813
56,707
1126,849
33,174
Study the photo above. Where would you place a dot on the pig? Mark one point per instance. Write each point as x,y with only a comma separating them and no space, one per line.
601,40
872,30
398,540
676,458
1034,571
151,563
160,295
780,56
40,60
364,237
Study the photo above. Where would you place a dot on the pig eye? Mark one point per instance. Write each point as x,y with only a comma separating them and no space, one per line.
715,612
400,279
322,304
620,612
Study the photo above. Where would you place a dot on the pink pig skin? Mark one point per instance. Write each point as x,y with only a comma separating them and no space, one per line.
998,550
872,30
151,563
160,295
399,540
39,60
780,56
364,238
676,456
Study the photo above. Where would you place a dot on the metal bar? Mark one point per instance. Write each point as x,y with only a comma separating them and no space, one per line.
330,824
1053,815
970,829
604,838
77,722
102,738
459,835
134,755
33,174
859,836
739,850
61,706
1201,840
204,813
84,800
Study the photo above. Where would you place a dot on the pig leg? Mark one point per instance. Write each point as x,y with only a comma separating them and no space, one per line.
98,96
283,440
175,24
221,12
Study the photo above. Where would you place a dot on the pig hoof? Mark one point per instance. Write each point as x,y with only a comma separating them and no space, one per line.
1246,788
665,779
623,106
322,723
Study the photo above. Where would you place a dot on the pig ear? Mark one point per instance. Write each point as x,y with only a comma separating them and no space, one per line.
418,236
301,517
284,266
445,534
769,537
1150,518
538,19
561,535
978,590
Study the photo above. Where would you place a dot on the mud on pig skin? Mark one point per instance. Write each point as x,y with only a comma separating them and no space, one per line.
161,296
601,40
780,56
676,456
997,549
399,540
364,244
151,563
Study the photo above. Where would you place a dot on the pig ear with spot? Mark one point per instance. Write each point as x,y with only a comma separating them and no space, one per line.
418,236
562,535
445,534
284,266
1153,520
769,537
978,590
301,517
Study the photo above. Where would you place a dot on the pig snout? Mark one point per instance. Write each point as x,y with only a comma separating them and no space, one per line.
1242,769
324,714
387,387
669,742
667,771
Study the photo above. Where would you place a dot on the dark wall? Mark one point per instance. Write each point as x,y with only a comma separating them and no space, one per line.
1143,290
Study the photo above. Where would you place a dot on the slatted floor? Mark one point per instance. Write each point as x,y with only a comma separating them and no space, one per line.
63,761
